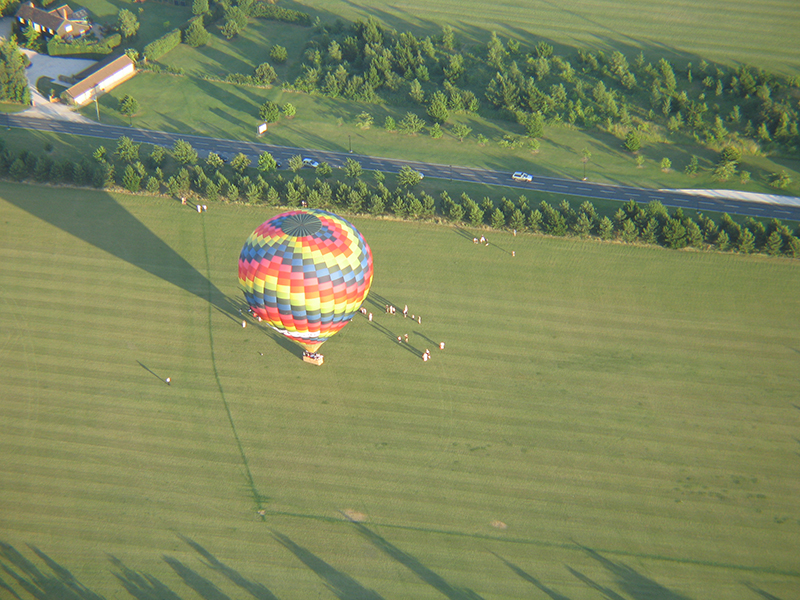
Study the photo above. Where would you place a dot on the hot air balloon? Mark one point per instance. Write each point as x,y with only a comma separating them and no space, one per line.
306,273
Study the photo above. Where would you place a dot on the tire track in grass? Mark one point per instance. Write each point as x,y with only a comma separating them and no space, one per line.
248,475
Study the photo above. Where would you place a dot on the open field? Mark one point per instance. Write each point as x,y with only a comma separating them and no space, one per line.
605,419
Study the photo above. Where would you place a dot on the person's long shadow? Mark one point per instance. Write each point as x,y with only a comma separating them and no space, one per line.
428,576
341,584
256,590
98,219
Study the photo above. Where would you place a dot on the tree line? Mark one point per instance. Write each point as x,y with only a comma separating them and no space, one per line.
180,172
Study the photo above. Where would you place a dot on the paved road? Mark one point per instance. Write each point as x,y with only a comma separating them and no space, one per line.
772,207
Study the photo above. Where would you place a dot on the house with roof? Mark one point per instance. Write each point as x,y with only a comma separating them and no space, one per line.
102,77
62,22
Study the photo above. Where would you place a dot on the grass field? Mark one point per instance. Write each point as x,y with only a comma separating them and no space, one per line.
605,420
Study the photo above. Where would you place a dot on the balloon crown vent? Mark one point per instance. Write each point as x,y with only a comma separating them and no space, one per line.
301,224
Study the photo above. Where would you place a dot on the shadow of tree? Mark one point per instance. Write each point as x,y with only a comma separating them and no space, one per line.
762,593
531,579
608,593
636,585
141,585
341,584
204,587
258,591
415,566
60,585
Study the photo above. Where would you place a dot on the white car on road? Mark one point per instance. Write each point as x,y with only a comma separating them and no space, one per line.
309,162
520,176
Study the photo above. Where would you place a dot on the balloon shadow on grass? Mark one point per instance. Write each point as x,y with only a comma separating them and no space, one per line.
99,220
425,574
339,583
256,590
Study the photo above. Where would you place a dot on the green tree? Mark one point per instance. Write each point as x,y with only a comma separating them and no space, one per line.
127,23
629,232
126,150
364,120
747,242
196,34
353,169
240,162
278,54
666,164
498,219
199,7
605,228
437,107
692,167
131,180
184,153
266,162
128,106
269,112
324,169
214,161
780,180
33,39
723,241
632,141
389,124
436,131
495,52
289,110
534,125
13,82
416,92
774,243
454,68
265,73
460,130
408,177
296,163
448,38
411,124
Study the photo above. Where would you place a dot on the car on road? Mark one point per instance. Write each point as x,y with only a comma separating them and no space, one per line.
310,162
520,176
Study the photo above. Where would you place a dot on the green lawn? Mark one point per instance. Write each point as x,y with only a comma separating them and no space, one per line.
155,18
604,418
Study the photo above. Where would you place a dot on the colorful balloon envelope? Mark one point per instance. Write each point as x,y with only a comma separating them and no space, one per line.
306,273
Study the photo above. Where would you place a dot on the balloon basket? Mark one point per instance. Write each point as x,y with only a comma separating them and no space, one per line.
313,357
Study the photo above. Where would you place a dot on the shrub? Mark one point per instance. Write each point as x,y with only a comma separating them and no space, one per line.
158,48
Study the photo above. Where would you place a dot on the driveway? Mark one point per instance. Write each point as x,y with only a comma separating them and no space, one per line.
43,65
